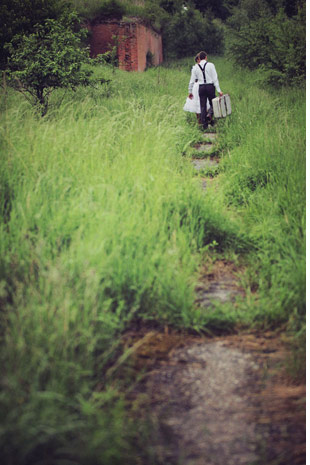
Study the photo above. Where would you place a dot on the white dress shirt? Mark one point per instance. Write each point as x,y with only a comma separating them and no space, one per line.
210,72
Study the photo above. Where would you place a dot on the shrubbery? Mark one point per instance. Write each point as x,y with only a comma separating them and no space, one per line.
263,37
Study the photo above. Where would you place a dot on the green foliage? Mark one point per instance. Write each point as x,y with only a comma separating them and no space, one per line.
154,14
218,8
107,9
45,426
188,31
49,58
20,17
112,9
263,36
211,8
149,10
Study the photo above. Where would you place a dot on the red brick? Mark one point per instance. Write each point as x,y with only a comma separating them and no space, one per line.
135,41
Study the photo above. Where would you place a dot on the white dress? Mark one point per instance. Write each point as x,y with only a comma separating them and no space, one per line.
193,105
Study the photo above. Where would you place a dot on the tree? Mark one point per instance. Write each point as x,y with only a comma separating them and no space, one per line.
49,58
20,17
188,31
217,8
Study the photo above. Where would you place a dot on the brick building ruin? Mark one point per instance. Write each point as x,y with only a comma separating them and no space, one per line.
138,44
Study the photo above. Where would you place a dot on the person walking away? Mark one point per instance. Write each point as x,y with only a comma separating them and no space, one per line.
206,74
193,105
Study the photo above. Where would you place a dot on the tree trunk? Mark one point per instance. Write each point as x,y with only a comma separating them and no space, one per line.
43,101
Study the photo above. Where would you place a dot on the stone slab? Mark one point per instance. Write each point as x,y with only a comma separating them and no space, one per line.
205,147
203,163
212,136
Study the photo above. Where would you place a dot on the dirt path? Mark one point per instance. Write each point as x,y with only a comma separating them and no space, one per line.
218,400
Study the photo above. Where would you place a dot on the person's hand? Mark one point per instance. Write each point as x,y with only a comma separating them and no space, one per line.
221,94
191,96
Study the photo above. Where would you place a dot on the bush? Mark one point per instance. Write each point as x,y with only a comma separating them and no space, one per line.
111,9
259,37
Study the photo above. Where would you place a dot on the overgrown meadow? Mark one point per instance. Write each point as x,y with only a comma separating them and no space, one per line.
104,223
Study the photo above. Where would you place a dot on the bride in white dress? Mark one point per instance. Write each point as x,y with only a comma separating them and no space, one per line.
193,105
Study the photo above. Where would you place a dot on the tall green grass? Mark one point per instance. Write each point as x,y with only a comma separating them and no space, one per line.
264,178
102,221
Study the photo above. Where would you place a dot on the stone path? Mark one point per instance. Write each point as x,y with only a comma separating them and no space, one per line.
198,404
221,400
206,148
204,158
200,163
219,285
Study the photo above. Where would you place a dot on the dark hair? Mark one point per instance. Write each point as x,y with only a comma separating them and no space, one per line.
202,55
197,57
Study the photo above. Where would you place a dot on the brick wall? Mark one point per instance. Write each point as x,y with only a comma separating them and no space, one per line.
135,41
127,49
148,41
102,37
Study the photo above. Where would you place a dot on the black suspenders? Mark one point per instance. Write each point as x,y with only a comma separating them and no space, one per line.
203,72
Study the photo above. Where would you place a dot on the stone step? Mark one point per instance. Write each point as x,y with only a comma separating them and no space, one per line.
205,147
211,136
202,163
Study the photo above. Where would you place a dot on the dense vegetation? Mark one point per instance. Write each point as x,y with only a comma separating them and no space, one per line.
104,223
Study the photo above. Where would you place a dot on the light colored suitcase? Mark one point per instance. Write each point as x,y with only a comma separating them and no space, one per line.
221,106
227,103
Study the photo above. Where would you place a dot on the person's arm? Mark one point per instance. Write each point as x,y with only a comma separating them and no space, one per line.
192,82
213,74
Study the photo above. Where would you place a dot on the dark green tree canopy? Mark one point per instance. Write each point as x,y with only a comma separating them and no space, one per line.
20,16
188,31
262,35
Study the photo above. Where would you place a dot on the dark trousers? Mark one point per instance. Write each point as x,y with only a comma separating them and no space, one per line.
206,92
